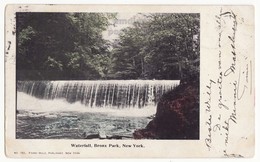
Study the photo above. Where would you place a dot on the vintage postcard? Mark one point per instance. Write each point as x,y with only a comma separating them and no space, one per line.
129,81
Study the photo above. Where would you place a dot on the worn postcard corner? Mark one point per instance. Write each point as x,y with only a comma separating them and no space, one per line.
139,81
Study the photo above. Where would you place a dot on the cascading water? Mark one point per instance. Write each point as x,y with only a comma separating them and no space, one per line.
109,109
103,93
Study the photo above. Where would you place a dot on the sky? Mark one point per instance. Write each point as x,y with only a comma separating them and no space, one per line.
123,20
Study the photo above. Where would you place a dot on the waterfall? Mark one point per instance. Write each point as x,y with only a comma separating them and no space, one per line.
102,93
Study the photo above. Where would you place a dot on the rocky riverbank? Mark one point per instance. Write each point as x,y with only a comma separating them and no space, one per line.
177,115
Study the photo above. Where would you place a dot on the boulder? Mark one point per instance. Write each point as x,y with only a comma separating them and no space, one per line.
102,135
177,115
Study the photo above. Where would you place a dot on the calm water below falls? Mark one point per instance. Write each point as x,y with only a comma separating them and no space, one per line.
76,125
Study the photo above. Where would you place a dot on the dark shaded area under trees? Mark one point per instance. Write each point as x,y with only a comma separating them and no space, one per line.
69,46
59,46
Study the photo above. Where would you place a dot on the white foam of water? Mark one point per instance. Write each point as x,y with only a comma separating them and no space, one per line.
30,103
124,93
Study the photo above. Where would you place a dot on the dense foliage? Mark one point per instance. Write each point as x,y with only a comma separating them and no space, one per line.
59,46
165,46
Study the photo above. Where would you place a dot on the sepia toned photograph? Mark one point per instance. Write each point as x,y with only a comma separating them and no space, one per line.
107,75
129,81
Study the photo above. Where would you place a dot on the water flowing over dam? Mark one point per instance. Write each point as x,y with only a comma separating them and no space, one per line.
102,93
87,109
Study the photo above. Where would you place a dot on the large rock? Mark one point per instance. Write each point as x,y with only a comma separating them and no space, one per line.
177,115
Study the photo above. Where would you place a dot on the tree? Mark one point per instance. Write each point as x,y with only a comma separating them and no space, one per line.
53,46
60,45
166,46
128,61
